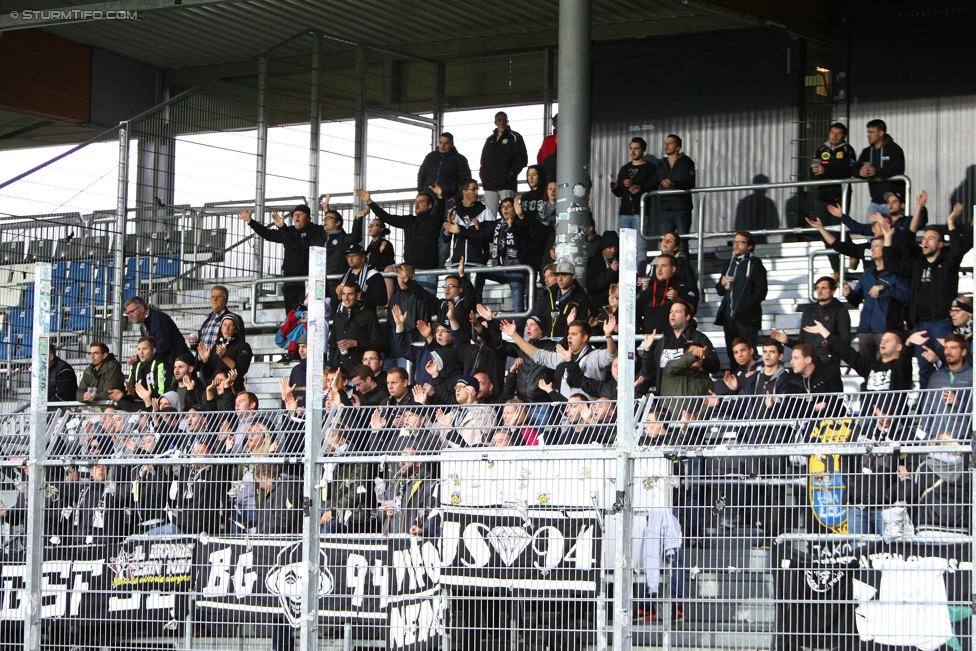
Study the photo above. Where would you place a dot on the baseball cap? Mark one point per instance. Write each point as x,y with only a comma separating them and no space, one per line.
565,268
471,381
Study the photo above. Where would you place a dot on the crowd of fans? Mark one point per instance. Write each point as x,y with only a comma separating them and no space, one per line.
430,372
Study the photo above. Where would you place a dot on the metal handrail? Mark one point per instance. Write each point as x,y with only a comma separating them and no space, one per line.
810,282
474,271
700,225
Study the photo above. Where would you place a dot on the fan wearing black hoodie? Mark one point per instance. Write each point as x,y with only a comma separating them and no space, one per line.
604,268
444,166
230,351
503,157
354,330
529,208
879,161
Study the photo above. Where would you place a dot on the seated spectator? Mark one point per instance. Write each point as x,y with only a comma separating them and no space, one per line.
593,362
949,410
62,383
829,312
370,281
148,371
190,388
229,352
560,299
210,329
603,270
354,330
104,375
516,429
942,489
158,325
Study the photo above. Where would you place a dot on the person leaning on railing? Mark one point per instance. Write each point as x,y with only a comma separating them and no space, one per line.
104,374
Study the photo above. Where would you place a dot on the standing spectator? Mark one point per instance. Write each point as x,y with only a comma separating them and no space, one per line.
548,147
297,239
559,300
933,282
158,325
230,351
654,303
531,204
62,383
420,230
834,160
685,273
883,293
468,228
210,329
680,335
743,289
370,280
961,313
502,160
355,329
604,267
380,254
634,180
297,378
444,166
104,374
879,161
896,210
807,377
510,246
835,319
676,171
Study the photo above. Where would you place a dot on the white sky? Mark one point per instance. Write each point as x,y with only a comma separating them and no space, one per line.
221,166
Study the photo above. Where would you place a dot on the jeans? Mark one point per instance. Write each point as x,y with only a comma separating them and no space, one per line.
492,198
678,221
516,283
877,207
429,283
864,521
633,221
936,330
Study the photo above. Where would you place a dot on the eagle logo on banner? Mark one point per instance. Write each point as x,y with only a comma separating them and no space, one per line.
825,485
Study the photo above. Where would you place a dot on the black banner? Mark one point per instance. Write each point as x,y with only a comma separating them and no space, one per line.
536,550
149,579
73,579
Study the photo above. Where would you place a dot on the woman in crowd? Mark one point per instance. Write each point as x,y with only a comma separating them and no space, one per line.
230,351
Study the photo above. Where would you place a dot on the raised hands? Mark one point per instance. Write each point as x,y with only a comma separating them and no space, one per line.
649,340
419,395
438,190
245,215
231,378
424,329
484,312
363,196
610,325
818,329
565,354
508,327
325,203
399,316
278,220
432,368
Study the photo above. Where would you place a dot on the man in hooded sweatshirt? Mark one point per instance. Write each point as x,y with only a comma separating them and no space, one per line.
879,161
230,351
604,268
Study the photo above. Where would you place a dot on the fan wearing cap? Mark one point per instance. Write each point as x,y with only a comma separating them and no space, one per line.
560,299
523,377
603,269
230,351
297,239
354,330
469,426
439,346
961,313
371,281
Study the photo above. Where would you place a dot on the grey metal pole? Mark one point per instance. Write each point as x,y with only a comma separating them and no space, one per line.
439,89
546,91
573,154
623,573
315,124
701,244
262,160
317,335
37,451
121,213
359,163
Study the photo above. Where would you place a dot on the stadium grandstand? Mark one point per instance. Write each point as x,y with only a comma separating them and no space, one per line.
549,326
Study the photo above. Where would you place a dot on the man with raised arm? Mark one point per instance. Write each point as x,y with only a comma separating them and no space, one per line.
933,281
593,362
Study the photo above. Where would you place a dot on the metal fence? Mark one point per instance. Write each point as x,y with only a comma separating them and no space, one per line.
800,521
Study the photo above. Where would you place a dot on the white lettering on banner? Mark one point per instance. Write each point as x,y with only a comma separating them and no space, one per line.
83,572
59,581
218,578
414,623
476,545
547,542
357,568
450,537
12,606
244,574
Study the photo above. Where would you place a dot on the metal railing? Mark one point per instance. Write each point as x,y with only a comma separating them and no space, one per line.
530,273
700,221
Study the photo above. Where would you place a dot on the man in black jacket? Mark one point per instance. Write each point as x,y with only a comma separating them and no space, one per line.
372,282
809,378
62,383
503,158
559,300
296,239
743,289
933,281
879,161
354,330
634,180
420,231
170,343
604,268
676,171
681,334
832,314
444,166
834,160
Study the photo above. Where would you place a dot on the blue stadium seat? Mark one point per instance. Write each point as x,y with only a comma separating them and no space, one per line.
100,294
79,318
28,300
168,266
59,271
73,295
128,290
104,271
80,271
21,347
141,264
22,321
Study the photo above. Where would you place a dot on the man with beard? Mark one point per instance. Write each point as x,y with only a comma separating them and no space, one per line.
186,384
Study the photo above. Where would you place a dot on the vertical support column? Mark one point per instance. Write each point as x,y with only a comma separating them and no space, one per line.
315,124
623,573
439,90
317,336
261,166
121,212
37,451
359,173
573,154
546,92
